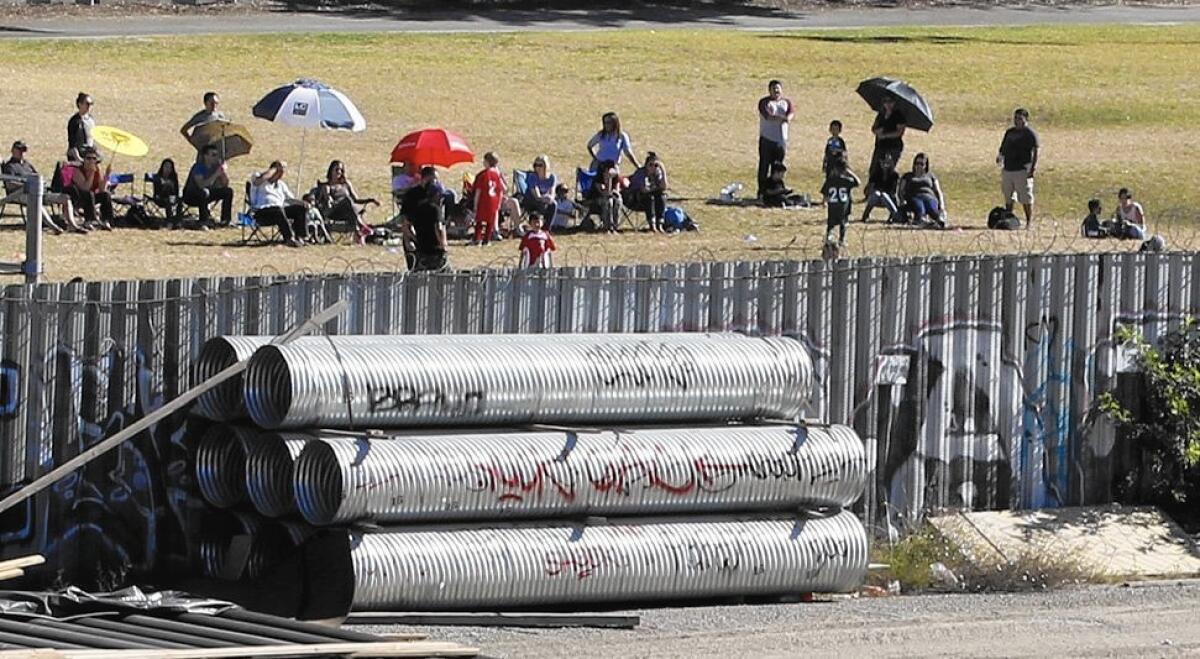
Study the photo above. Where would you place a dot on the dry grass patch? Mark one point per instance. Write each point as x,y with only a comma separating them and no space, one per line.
1107,118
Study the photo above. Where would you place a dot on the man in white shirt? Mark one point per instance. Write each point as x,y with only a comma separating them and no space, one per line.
272,203
774,113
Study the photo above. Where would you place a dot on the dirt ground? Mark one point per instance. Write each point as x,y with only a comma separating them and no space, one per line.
1150,619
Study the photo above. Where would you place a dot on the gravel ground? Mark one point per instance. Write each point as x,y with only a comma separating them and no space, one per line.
1150,619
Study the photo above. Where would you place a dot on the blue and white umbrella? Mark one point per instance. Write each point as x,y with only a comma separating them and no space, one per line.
310,104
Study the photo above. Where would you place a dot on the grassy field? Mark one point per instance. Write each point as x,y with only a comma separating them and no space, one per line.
1115,106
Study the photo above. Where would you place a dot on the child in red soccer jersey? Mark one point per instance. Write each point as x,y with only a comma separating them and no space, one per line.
537,245
489,189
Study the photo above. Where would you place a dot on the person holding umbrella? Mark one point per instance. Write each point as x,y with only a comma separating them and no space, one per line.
208,114
898,108
889,130
1018,159
774,114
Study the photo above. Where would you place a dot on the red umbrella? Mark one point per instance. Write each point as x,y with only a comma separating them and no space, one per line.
432,146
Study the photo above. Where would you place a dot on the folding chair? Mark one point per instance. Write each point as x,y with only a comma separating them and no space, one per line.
583,183
252,231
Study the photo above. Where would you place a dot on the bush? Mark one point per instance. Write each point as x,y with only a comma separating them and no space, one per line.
1165,427
911,562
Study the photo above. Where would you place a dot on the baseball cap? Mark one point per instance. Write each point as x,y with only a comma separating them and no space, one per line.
19,144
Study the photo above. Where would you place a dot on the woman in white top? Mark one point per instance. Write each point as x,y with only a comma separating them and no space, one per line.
610,143
1131,219
272,203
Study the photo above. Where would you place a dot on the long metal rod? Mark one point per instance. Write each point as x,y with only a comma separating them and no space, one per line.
163,412
32,267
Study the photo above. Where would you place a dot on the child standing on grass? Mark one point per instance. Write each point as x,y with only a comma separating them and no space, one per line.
489,190
836,190
834,146
536,245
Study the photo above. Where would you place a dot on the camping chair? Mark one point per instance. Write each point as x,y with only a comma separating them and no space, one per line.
583,185
252,231
339,231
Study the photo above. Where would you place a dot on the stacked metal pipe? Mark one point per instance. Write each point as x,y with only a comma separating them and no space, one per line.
416,467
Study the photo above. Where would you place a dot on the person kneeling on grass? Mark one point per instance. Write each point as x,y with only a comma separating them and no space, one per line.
272,204
836,190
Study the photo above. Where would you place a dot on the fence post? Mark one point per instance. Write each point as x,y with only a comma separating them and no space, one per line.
32,267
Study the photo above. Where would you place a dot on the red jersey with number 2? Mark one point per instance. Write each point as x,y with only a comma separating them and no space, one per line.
489,189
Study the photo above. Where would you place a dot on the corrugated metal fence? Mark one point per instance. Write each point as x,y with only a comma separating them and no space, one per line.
971,379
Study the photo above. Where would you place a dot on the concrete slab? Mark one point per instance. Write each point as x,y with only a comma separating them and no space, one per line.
1136,542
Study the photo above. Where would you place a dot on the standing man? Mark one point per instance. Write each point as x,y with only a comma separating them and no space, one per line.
1018,158
774,113
208,114
423,223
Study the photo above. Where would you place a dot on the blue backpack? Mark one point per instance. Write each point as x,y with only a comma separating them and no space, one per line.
674,217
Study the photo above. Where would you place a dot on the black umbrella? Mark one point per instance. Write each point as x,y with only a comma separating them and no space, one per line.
917,113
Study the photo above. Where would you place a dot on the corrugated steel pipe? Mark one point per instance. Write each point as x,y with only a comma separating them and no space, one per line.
221,464
269,464
496,475
562,379
630,561
269,543
225,401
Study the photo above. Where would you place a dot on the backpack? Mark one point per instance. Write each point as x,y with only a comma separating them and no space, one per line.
1002,219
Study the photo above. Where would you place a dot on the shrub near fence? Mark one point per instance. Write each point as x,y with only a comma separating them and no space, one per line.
971,379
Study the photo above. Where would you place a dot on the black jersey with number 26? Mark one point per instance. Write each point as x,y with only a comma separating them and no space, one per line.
836,191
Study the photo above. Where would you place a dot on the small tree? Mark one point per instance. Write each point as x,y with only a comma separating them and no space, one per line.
1166,425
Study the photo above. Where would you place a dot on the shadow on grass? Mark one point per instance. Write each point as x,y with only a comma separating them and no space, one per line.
922,39
598,13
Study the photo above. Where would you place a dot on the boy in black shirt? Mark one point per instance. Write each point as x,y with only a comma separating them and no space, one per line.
836,190
834,146
1093,227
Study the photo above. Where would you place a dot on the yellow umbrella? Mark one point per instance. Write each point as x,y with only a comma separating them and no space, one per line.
120,141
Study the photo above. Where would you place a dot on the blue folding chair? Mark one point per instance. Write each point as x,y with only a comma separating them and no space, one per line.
583,186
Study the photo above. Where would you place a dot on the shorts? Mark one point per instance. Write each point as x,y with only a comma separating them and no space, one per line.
838,215
430,262
1016,183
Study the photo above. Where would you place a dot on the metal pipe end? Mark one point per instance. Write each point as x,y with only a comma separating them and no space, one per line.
319,485
268,387
221,466
269,464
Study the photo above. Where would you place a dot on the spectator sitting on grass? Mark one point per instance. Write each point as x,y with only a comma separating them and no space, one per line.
881,189
922,194
89,191
272,204
776,193
540,184
606,191
1092,226
208,182
165,192
1130,220
566,209
19,165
